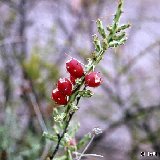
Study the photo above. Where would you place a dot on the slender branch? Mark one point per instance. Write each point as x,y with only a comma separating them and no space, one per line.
85,149
69,117
66,127
61,136
38,112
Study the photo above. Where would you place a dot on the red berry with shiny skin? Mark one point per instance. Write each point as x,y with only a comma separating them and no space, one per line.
93,79
58,97
73,80
75,68
64,86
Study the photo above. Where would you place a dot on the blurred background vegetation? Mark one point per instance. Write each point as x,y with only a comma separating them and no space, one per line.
34,37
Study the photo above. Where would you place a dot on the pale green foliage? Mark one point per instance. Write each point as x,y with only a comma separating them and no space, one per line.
32,66
40,73
86,93
10,132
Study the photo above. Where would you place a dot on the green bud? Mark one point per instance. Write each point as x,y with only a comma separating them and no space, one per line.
73,108
55,128
97,43
89,66
123,27
49,136
101,28
67,137
114,44
105,44
117,43
78,81
94,55
59,118
86,93
119,37
119,12
109,28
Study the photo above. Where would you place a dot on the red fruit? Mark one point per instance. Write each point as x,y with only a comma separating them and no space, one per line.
75,68
73,80
64,86
93,79
58,97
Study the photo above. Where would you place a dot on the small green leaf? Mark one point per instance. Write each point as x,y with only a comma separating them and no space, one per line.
115,43
78,81
59,117
105,44
50,136
109,28
86,93
55,128
101,28
89,66
61,158
119,37
123,27
97,43
73,108
67,137
118,12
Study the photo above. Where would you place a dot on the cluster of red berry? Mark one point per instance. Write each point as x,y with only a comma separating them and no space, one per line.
64,85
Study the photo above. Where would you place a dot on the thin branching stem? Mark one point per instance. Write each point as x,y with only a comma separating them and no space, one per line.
61,136
85,149
38,112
